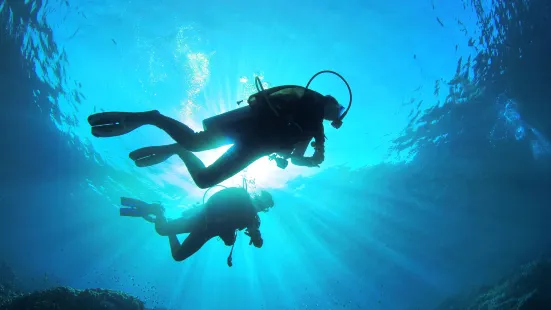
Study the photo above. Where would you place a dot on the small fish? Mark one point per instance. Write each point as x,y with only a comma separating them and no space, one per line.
440,22
436,88
414,56
115,42
74,34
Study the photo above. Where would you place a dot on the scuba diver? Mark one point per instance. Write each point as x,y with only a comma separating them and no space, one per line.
224,214
278,122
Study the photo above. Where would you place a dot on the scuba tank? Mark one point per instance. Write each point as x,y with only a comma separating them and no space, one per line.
257,105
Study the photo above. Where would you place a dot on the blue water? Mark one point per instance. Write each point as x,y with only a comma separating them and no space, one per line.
376,227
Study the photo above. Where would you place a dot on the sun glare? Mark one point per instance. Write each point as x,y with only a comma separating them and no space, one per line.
263,172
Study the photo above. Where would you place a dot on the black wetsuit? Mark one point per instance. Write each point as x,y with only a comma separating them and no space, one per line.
225,212
300,119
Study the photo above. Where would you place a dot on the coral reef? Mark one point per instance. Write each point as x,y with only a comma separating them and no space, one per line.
527,289
7,276
8,284
65,298
7,295
61,298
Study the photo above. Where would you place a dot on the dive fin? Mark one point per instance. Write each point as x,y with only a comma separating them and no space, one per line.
133,203
138,208
149,156
111,124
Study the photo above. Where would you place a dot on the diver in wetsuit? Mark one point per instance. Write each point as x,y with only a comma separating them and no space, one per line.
226,212
280,120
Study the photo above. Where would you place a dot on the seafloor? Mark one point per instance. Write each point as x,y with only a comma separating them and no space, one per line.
527,288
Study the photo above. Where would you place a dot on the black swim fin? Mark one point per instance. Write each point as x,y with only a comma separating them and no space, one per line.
138,208
133,203
112,124
149,156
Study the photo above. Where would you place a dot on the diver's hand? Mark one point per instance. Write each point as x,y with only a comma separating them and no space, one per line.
256,239
304,161
257,242
312,164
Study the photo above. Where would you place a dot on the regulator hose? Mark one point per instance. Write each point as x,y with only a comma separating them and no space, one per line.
336,124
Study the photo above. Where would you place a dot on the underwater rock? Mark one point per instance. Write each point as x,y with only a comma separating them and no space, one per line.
528,289
7,275
65,298
7,295
8,283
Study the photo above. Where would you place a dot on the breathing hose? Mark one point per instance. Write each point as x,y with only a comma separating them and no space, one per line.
336,124
260,88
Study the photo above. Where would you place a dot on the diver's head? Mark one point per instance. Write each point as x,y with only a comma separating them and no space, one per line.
263,201
332,110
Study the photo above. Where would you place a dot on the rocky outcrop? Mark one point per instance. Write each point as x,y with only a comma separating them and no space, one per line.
65,298
527,289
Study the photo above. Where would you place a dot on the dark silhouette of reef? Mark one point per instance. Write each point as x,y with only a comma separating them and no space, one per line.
529,288
61,298
66,298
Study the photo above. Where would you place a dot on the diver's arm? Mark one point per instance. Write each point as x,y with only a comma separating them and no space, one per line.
300,149
253,231
319,152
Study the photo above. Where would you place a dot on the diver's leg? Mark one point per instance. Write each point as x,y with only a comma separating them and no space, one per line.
192,244
237,158
182,225
110,124
186,137
149,219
